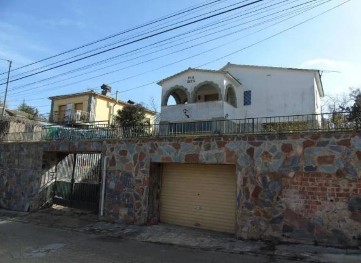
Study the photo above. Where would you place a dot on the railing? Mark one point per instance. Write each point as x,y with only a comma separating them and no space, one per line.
339,121
71,116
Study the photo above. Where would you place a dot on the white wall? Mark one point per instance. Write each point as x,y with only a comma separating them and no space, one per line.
275,91
198,111
192,79
317,98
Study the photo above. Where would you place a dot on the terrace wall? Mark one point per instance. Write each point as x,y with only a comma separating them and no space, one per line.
299,187
295,187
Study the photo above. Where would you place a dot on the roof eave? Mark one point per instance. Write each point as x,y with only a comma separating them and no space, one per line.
269,67
233,78
172,76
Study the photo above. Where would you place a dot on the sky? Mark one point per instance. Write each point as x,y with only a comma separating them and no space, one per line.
34,30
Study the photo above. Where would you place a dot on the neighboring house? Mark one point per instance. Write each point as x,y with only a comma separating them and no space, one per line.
87,107
17,126
239,92
16,113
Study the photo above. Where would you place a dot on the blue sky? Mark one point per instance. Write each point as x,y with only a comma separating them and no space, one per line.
33,30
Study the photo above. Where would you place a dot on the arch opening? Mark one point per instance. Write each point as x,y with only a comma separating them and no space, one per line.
176,96
231,96
206,92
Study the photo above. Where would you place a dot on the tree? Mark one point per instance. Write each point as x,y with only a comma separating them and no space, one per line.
335,103
153,106
132,120
354,110
131,115
2,108
345,109
32,111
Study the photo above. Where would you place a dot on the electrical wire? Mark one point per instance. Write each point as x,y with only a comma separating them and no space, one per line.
209,50
249,46
173,40
111,44
139,39
123,32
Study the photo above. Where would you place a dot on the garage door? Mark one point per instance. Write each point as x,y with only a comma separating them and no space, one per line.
197,195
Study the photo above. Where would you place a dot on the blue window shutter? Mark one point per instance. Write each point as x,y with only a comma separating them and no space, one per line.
247,97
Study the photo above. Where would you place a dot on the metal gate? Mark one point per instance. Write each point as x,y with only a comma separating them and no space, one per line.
77,182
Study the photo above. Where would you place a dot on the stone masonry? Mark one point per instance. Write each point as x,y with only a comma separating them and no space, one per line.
289,187
297,187
20,175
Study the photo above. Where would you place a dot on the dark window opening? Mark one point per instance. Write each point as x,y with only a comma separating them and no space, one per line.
211,97
247,97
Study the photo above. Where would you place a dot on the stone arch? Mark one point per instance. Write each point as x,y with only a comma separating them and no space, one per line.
231,97
212,87
179,93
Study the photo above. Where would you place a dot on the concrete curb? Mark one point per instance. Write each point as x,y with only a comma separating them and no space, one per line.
207,240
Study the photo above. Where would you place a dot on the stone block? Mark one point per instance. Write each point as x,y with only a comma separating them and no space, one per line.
354,204
191,158
345,142
326,159
310,168
287,148
308,143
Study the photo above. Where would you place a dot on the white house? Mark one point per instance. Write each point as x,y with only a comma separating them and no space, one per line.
240,92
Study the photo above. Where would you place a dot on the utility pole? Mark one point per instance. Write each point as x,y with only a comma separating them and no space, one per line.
6,88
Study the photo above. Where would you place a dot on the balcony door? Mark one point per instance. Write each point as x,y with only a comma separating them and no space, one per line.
62,109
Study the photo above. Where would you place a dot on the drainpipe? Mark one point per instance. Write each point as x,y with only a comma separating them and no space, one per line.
103,186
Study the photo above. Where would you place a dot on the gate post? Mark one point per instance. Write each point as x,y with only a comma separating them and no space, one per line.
72,182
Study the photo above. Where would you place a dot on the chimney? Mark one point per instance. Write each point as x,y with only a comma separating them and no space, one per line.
106,89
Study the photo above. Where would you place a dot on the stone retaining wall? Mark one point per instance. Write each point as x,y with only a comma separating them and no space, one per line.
20,175
289,187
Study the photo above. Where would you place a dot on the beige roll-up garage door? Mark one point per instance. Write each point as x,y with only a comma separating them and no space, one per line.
199,195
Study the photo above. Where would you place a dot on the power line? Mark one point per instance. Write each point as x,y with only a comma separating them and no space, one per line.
123,32
120,41
173,38
176,62
140,39
249,46
165,40
207,51
274,35
252,45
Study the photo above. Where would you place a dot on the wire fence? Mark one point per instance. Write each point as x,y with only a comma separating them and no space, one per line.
325,122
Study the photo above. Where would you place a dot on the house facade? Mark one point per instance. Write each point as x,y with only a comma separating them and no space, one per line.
88,107
240,92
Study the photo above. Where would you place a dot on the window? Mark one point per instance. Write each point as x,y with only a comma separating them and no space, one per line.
247,97
78,106
61,113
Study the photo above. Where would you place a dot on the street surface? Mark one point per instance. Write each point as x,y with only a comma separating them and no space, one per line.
20,242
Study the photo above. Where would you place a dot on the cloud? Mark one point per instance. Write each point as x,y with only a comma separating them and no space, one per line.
337,75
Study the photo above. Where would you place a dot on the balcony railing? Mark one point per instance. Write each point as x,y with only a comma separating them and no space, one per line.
325,122
72,116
